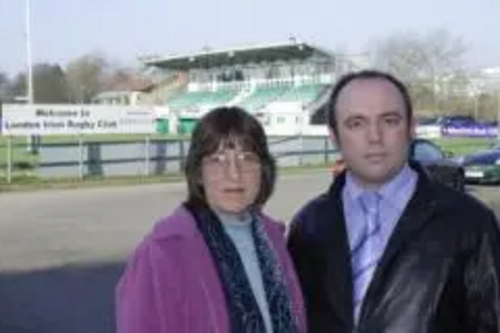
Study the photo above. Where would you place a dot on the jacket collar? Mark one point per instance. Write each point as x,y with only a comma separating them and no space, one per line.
180,223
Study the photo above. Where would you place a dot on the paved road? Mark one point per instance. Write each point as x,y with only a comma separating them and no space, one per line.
62,251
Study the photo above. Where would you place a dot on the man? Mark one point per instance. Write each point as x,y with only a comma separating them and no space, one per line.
386,248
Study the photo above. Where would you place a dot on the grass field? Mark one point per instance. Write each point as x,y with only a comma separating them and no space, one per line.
463,146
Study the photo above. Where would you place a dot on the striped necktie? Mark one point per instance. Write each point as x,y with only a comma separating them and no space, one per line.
366,251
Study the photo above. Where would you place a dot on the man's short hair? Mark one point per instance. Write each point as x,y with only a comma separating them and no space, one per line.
365,75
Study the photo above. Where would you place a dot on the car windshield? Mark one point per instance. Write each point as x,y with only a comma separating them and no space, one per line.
425,152
427,121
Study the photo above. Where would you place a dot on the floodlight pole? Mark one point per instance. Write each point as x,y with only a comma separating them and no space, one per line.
29,68
29,60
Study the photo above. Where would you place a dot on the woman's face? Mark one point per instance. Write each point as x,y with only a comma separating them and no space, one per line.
231,178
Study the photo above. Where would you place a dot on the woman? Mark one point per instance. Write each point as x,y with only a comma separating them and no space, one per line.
217,263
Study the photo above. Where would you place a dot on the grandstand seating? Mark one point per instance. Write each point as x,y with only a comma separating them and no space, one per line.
188,99
305,93
260,97
264,95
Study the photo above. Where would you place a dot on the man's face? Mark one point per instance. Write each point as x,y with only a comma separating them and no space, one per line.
373,130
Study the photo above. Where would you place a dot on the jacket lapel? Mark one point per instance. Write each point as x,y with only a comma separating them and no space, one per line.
338,277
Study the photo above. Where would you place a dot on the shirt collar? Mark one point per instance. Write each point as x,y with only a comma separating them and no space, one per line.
389,192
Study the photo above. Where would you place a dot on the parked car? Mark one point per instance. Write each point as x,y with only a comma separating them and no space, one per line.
483,167
435,160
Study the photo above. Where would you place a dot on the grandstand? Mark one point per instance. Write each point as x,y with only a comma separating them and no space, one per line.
292,77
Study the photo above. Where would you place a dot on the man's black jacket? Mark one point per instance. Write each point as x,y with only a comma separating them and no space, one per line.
439,273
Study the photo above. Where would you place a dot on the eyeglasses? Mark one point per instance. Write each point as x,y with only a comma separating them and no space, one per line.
245,162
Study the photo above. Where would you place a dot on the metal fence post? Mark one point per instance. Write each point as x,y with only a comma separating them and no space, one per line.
325,147
80,157
302,149
146,155
9,159
181,154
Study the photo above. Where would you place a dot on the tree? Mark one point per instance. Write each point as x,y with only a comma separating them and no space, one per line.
120,78
455,94
488,105
17,87
86,77
4,79
4,85
416,57
49,84
423,96
425,62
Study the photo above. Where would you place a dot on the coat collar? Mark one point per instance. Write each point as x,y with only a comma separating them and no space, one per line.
180,223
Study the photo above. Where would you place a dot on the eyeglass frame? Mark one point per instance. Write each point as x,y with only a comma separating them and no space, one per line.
246,162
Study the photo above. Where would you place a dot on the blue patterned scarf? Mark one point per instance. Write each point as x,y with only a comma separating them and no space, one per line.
244,312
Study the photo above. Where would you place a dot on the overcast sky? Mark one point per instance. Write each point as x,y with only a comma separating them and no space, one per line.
126,29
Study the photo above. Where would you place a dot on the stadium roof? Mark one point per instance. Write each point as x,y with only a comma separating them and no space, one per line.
210,58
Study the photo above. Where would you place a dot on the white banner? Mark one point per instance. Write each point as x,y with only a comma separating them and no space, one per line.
38,119
428,131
